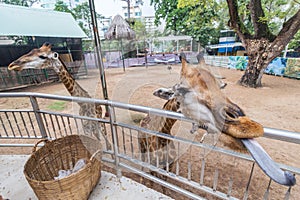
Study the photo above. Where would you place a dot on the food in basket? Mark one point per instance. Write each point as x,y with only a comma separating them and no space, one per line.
64,173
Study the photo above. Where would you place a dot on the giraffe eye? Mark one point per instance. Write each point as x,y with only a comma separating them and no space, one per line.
42,57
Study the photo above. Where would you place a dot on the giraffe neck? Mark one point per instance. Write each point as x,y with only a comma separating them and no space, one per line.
69,82
171,105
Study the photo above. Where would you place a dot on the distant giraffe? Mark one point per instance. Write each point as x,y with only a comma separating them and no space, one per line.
161,151
44,57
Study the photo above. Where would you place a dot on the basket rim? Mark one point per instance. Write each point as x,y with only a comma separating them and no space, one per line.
89,161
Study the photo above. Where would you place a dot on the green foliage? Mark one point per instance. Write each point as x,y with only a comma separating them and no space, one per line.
63,7
57,105
199,19
295,43
26,3
81,13
204,19
277,12
83,16
140,29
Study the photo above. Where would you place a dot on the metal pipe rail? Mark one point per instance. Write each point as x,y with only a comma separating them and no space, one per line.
126,153
278,134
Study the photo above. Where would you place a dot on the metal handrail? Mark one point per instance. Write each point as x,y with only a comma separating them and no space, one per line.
272,133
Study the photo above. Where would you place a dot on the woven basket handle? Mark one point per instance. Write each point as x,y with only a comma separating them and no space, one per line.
35,146
94,155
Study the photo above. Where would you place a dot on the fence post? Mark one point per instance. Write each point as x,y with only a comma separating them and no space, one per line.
112,120
38,116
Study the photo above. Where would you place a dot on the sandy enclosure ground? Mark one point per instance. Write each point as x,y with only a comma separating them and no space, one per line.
275,105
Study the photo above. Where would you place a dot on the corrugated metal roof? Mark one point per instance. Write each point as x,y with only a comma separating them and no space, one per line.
24,21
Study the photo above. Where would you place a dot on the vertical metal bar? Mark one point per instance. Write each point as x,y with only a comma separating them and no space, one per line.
148,150
83,129
47,125
140,149
76,124
156,152
115,140
16,121
202,171
131,142
230,187
248,184
287,194
106,140
58,124
123,140
190,165
216,177
64,124
177,160
69,125
98,129
12,129
25,125
38,117
98,52
167,155
266,195
3,126
32,126
53,126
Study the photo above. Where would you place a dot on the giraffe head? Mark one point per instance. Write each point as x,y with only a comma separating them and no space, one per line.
40,58
201,99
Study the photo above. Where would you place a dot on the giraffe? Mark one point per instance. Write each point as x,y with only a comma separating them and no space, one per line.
201,99
44,57
159,151
154,146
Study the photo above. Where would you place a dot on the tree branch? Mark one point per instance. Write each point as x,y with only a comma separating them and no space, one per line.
289,29
235,21
261,28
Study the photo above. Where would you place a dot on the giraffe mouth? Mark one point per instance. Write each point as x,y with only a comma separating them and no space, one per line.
243,129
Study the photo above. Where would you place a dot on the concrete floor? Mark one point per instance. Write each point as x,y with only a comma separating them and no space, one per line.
14,186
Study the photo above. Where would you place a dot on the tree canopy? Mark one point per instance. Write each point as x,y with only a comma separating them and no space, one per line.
264,27
26,3
196,18
204,19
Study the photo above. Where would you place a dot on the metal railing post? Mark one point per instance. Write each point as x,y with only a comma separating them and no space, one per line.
38,116
112,121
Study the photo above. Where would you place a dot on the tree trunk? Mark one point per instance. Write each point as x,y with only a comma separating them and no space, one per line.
260,54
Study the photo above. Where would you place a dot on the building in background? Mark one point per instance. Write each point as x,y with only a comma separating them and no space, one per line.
50,4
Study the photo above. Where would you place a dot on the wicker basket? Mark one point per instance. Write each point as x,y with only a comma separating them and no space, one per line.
62,154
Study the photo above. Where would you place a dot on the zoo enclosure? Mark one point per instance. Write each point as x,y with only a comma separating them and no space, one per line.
201,177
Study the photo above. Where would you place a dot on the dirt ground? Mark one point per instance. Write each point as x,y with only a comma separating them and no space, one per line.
275,105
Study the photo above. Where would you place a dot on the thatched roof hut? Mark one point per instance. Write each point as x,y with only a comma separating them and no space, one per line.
119,29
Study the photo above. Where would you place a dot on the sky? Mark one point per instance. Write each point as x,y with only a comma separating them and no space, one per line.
113,7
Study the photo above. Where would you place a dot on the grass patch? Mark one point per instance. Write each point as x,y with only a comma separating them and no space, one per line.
57,105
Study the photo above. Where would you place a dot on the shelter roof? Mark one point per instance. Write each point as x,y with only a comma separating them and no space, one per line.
24,21
174,37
